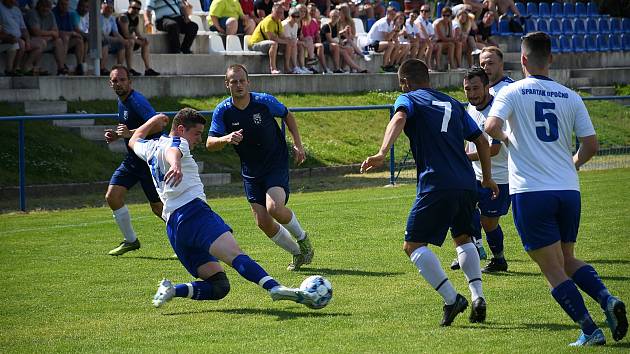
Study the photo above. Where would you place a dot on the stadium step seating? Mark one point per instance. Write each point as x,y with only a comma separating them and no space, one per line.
579,44
554,27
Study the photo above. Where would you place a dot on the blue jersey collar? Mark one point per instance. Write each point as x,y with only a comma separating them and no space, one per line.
541,77
487,105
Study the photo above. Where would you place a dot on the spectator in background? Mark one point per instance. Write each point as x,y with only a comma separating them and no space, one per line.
330,35
14,31
171,17
323,6
314,12
227,17
416,51
68,24
42,25
427,34
268,35
349,36
248,10
262,9
8,45
503,6
112,41
309,32
484,31
291,26
128,27
403,43
83,18
465,43
381,38
445,38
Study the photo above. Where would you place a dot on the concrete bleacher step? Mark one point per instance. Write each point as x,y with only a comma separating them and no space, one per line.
575,82
25,82
5,82
45,107
215,179
19,95
599,90
73,123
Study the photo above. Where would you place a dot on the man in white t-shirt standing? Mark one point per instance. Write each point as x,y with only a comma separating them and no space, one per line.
544,186
427,33
382,39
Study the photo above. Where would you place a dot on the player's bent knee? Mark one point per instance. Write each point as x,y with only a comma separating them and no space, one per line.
220,286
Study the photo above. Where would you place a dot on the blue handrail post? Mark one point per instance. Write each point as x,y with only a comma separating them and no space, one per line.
22,164
392,158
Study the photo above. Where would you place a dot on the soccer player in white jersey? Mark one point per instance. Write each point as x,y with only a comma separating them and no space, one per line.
544,186
489,211
198,235
491,61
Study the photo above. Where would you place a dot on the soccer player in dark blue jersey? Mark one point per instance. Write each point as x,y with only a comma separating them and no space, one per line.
437,126
133,111
246,120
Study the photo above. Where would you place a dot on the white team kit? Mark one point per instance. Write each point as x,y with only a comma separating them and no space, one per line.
545,114
500,160
505,81
154,152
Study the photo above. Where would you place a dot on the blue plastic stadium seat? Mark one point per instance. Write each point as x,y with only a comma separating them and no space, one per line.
438,9
565,44
530,25
602,43
591,26
556,9
580,9
615,25
541,25
592,10
543,10
495,28
625,41
370,23
554,26
395,4
567,26
504,27
555,44
521,8
614,40
532,9
578,43
625,25
604,26
579,27
569,10
591,43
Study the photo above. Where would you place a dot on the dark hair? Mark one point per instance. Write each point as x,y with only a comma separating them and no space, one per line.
137,1
415,11
188,117
446,10
476,71
537,48
415,71
493,49
235,67
121,67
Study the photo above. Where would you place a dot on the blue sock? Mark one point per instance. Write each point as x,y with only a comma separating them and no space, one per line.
495,241
201,290
571,301
250,270
476,221
588,280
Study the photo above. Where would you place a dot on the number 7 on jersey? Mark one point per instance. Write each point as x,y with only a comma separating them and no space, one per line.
447,113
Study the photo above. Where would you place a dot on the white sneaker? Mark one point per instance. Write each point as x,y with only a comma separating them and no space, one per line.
293,294
164,294
476,51
305,70
367,57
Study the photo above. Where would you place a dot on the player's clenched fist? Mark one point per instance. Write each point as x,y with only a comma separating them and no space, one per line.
234,138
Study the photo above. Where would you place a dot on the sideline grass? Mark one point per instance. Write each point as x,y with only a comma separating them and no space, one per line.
61,292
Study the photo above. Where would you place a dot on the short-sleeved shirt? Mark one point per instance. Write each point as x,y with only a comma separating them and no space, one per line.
261,5
411,28
132,23
109,25
379,29
164,8
264,147
494,89
500,160
542,115
311,30
46,22
328,28
65,21
226,8
437,126
427,25
84,23
133,112
289,30
484,31
154,153
247,6
268,24
12,20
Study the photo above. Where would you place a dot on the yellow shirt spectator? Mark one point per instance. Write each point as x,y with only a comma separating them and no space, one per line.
268,24
225,8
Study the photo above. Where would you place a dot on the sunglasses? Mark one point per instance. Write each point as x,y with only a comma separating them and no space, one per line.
446,15
137,8
425,10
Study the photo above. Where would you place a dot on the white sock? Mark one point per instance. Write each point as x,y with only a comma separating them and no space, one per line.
284,240
431,270
469,262
123,219
294,228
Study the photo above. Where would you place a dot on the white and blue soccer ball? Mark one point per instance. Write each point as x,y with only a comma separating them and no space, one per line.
316,284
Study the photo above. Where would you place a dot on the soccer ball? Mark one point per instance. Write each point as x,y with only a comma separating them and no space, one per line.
316,284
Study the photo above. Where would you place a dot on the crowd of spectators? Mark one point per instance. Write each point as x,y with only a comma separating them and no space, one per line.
304,31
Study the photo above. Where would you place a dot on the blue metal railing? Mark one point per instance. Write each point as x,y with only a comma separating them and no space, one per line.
22,119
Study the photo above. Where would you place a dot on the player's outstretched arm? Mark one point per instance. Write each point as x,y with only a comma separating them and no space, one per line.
589,146
217,143
298,149
483,150
393,130
155,124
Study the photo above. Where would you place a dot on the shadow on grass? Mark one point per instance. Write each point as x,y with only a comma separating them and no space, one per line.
282,315
155,258
608,261
511,273
498,326
329,271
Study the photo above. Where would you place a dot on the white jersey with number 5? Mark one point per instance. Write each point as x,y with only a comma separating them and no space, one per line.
542,115
154,153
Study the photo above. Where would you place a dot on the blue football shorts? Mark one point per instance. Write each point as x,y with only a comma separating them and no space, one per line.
191,230
497,207
433,213
546,217
131,172
256,187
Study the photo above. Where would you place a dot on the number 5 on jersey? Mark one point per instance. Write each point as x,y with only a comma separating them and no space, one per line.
547,133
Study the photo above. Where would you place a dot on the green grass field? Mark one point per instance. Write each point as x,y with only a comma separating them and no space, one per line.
61,292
